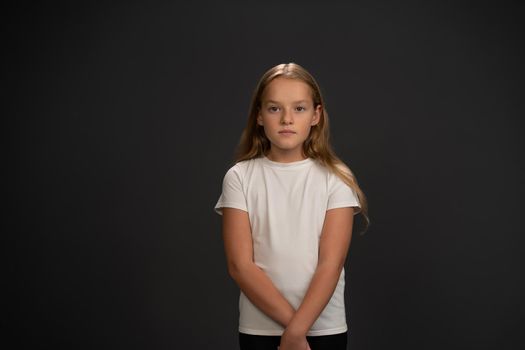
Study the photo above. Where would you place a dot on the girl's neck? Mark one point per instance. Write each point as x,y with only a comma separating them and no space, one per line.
285,157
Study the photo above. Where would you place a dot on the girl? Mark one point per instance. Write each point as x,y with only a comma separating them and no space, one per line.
288,205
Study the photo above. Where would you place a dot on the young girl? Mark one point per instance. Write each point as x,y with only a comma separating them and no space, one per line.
288,205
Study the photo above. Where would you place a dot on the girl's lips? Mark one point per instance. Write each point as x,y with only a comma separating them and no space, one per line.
286,132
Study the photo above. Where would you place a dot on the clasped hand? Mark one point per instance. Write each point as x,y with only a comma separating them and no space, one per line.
290,341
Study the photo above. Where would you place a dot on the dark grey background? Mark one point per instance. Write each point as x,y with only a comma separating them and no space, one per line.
122,119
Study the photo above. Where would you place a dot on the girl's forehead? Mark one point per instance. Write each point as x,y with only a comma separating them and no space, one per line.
287,89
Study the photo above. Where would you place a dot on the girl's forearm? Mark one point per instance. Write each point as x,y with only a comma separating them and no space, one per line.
318,295
261,291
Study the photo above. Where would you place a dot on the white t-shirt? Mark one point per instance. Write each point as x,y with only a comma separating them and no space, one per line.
287,204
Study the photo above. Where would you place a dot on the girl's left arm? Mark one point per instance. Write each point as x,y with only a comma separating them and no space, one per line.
333,249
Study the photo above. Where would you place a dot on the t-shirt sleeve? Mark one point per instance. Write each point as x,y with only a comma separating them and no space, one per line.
341,195
232,195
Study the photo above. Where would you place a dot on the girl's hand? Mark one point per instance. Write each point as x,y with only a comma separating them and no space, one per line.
293,342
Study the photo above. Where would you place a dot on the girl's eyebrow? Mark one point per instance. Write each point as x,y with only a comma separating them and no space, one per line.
272,101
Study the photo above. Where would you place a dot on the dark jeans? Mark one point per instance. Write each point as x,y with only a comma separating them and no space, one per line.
270,342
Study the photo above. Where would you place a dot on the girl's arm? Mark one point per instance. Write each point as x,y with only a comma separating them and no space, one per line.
333,248
254,283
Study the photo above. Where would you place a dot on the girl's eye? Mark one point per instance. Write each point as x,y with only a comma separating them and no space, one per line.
300,108
273,109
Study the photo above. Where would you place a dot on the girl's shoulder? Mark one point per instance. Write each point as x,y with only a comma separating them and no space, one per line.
343,168
241,167
245,164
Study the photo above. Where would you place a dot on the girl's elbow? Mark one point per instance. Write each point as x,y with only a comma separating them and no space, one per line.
233,272
237,269
335,266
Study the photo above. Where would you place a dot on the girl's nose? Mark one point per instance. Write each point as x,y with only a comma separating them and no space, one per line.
286,117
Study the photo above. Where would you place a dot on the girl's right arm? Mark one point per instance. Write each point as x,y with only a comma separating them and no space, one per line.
253,281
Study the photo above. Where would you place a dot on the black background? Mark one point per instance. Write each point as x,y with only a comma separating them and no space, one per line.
121,120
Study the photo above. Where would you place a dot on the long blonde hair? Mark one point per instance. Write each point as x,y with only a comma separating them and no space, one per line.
254,143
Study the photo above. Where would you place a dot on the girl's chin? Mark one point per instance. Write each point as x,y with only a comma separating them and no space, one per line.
287,142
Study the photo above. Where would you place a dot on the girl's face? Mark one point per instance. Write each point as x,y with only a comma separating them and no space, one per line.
287,115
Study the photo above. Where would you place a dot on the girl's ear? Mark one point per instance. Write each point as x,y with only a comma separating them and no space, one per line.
317,115
259,119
